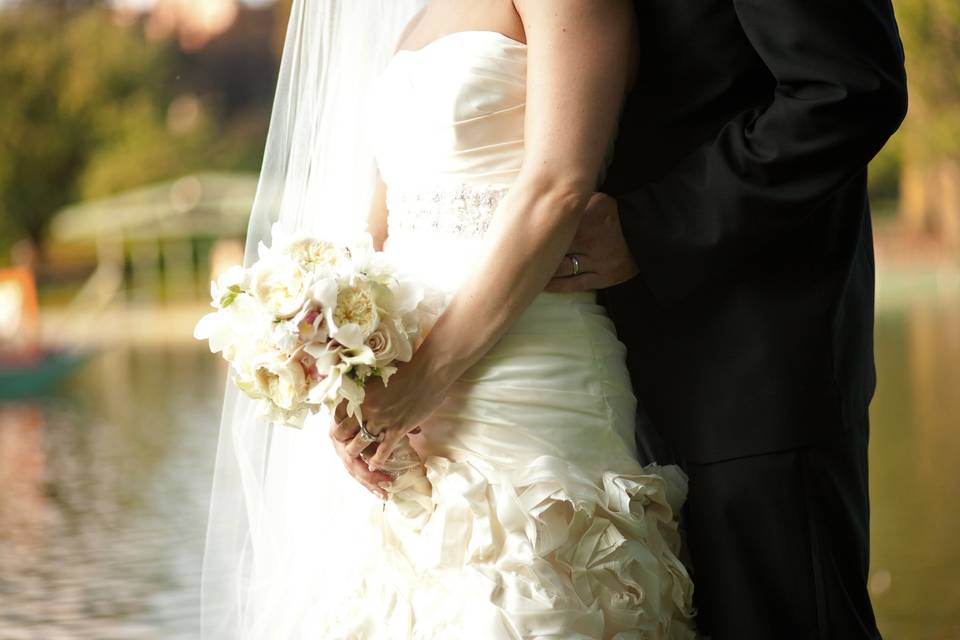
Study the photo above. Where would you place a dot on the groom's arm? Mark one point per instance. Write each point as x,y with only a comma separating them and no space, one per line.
841,92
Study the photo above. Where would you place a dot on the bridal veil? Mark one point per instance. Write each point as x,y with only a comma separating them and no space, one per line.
279,495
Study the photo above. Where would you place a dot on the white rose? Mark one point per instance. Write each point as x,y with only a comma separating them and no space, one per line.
280,379
354,317
295,418
281,286
314,254
389,344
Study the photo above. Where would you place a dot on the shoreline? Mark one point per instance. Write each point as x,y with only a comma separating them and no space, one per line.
171,324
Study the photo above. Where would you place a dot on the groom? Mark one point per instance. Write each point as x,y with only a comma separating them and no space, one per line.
744,291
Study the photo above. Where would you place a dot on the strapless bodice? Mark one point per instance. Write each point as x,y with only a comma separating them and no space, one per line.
452,112
447,130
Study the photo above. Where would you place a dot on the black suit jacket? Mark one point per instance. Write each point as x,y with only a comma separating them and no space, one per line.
740,172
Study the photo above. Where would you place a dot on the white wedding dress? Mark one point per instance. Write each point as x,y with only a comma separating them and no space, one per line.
542,522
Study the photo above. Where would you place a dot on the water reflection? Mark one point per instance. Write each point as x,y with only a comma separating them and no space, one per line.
103,490
22,467
104,499
915,477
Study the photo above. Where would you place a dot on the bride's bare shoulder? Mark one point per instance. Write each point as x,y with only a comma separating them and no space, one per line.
411,25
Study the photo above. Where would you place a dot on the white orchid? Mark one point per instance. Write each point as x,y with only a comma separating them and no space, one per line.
231,283
235,328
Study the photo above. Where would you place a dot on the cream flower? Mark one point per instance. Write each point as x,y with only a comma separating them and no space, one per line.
389,344
231,284
355,315
312,320
337,385
236,330
315,254
280,379
327,389
324,292
280,286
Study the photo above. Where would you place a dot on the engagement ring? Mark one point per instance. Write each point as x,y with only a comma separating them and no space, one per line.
368,437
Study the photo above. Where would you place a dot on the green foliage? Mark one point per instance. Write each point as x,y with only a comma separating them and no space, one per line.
931,35
85,113
230,296
884,174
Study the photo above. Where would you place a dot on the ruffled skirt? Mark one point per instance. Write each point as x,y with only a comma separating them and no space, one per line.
540,522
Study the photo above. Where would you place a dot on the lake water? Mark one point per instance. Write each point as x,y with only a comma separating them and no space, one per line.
915,473
103,497
103,490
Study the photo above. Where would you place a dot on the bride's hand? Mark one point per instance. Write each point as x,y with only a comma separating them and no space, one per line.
398,409
343,435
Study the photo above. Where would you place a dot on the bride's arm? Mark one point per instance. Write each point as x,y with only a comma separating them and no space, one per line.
377,219
577,71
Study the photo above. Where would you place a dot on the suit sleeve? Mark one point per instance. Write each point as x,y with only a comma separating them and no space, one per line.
840,93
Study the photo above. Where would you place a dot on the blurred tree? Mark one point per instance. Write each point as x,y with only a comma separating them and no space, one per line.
71,86
281,16
884,178
930,177
88,109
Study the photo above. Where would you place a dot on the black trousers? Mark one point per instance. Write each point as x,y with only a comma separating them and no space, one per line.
779,543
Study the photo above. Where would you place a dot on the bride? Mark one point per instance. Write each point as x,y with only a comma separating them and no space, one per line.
478,132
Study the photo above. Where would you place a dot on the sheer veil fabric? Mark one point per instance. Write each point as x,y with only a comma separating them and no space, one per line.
273,490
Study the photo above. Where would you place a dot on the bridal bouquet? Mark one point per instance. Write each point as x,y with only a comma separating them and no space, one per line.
311,322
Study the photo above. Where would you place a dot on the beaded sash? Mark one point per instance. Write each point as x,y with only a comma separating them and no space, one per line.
463,211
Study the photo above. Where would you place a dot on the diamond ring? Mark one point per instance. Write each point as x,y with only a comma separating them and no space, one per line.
368,437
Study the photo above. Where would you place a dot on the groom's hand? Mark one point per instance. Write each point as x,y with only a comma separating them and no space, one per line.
599,251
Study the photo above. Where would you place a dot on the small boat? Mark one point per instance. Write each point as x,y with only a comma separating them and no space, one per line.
33,376
27,368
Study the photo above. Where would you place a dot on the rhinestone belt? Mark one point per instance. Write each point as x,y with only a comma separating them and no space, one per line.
463,211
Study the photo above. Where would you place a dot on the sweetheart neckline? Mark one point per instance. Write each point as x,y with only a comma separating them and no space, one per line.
459,33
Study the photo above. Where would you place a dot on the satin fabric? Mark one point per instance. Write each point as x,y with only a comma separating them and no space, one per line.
540,523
